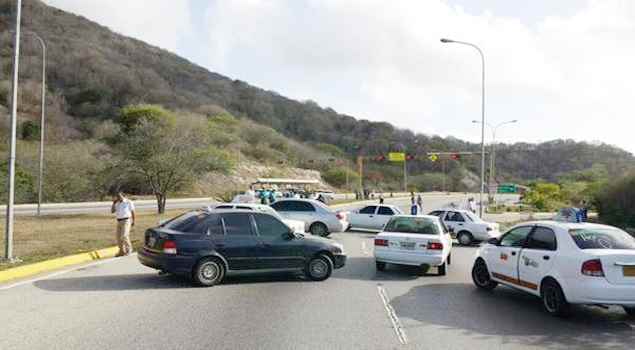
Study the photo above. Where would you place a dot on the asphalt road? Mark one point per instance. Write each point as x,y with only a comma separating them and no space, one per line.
119,304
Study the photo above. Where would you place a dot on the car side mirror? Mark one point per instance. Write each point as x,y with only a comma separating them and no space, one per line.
493,241
288,235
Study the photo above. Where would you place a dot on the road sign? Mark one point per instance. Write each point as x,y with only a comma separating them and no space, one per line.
397,157
433,157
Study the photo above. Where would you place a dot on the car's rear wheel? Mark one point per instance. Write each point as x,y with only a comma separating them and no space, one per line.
629,310
465,238
208,272
319,229
380,265
481,276
553,299
442,269
319,268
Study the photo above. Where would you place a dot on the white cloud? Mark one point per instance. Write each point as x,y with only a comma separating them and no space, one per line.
159,22
563,77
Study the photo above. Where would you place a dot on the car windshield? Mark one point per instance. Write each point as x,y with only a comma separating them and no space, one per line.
472,216
602,238
418,225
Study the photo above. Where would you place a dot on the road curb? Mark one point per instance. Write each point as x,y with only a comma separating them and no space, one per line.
54,264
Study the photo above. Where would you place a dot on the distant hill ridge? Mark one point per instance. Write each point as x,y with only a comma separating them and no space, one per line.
94,72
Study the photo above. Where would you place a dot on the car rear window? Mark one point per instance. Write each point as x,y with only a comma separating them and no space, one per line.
602,238
187,223
422,226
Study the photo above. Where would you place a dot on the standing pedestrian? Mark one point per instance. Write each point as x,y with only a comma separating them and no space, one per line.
584,211
413,206
471,205
124,211
420,203
381,199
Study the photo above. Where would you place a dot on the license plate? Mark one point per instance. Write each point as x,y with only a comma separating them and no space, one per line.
407,245
629,271
151,241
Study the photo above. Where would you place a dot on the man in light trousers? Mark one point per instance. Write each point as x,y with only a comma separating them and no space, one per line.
124,211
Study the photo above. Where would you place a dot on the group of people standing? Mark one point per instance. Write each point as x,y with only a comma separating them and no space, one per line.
416,204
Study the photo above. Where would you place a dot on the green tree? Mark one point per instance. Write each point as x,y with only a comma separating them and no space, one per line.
337,177
132,116
170,157
616,202
544,196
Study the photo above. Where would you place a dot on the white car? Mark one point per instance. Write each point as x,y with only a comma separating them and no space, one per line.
318,219
372,217
414,240
466,226
296,225
562,263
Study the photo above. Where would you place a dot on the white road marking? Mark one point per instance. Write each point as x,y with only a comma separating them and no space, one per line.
365,248
58,273
392,315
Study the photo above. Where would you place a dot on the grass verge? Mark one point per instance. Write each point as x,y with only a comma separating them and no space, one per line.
47,237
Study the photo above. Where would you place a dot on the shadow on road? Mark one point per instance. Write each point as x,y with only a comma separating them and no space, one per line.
363,268
113,283
153,281
514,315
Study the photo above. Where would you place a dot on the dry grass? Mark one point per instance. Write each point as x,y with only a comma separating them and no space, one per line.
46,237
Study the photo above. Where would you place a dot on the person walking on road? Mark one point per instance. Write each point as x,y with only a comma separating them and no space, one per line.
124,211
381,199
471,205
420,203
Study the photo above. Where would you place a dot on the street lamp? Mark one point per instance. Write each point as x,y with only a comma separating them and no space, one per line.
450,41
43,112
8,248
492,161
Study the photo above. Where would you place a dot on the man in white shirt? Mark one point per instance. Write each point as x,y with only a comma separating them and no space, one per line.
123,208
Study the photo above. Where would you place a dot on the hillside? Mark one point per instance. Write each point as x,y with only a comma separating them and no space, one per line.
94,72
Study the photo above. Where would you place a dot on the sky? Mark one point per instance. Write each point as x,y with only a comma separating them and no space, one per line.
563,69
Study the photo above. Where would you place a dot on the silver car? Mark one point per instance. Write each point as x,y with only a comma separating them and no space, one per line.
372,217
318,219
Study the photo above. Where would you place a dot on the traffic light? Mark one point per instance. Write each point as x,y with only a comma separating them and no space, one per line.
410,157
455,156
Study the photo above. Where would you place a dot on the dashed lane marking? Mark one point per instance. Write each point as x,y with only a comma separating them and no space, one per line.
392,315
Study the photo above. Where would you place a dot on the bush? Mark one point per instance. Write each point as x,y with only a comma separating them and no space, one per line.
337,177
544,196
616,203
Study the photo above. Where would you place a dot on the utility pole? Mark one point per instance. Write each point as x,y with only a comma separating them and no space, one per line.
405,175
360,168
14,118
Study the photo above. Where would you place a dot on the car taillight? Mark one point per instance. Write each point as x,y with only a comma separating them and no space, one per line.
593,268
435,246
381,242
339,215
169,247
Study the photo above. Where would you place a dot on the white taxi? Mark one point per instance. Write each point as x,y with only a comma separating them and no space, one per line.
562,263
420,240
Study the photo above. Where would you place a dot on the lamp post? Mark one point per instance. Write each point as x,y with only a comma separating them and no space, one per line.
450,41
14,112
492,160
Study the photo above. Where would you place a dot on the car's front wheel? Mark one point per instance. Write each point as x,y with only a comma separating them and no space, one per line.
465,238
380,265
481,276
319,268
208,272
629,310
319,229
553,299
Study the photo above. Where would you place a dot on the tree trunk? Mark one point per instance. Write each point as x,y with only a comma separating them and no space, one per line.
160,202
